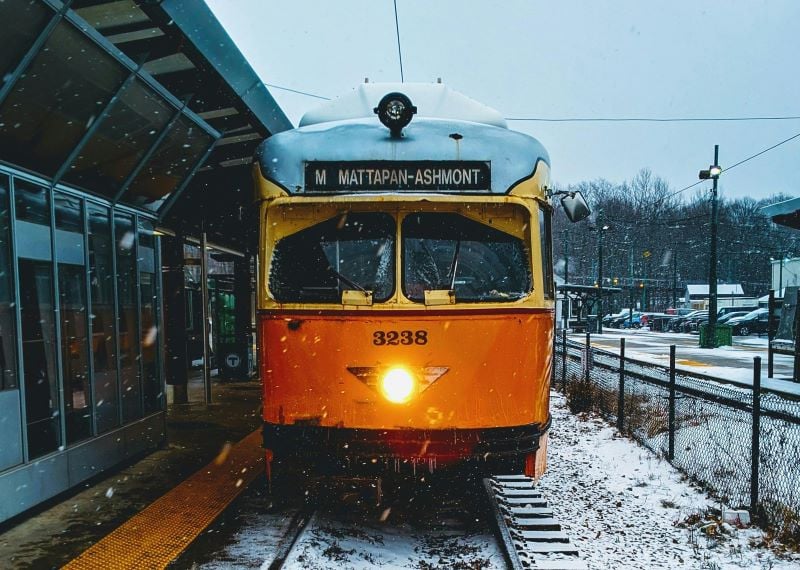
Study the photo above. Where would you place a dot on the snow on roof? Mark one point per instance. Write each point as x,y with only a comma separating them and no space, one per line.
722,289
431,100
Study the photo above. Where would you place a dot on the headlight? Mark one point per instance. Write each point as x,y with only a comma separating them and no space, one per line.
398,385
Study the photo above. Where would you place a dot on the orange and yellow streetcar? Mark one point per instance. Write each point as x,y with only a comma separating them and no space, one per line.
405,297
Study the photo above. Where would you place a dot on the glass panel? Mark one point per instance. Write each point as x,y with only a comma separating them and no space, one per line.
8,329
177,154
347,252
121,140
104,353
147,277
449,251
546,243
55,101
20,24
38,322
72,310
128,317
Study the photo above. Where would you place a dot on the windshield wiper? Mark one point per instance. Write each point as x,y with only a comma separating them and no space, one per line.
451,275
346,281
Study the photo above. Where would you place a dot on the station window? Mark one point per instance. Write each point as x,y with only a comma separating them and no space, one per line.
60,94
29,18
132,126
101,287
449,251
128,316
151,381
8,331
37,308
175,156
71,266
348,252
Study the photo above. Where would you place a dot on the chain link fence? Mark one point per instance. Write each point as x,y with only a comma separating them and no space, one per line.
740,442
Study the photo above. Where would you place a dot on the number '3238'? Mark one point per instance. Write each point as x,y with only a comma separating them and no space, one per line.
391,338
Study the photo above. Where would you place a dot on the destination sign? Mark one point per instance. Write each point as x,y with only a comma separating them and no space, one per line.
403,176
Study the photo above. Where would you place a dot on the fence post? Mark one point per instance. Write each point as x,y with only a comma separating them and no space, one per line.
564,361
671,444
771,334
754,460
621,398
587,363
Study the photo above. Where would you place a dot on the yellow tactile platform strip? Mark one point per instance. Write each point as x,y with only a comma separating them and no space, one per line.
158,534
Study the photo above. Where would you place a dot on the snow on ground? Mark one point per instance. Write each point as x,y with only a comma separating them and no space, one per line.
626,508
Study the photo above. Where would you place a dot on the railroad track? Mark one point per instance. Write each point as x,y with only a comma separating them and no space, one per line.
297,526
529,534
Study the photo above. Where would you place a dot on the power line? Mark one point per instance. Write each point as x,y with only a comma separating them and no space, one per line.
399,51
759,153
649,119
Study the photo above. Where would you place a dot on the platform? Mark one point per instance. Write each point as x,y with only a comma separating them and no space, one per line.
64,528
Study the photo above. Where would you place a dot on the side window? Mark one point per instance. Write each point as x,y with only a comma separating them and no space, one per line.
546,241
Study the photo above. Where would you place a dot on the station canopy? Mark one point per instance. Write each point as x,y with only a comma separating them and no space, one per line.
148,104
785,213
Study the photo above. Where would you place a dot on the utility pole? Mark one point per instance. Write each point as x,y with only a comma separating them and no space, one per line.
674,278
713,173
566,304
600,230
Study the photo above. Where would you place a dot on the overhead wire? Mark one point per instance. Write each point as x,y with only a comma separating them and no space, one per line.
399,50
650,119
751,157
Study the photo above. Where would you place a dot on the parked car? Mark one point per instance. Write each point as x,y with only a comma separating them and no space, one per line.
724,319
753,322
675,324
655,321
727,310
692,323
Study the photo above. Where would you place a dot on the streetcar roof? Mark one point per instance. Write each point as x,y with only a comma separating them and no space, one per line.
513,156
433,100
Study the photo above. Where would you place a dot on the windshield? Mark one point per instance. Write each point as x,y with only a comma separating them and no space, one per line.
348,252
450,251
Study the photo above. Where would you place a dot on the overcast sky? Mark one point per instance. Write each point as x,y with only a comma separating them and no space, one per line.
563,59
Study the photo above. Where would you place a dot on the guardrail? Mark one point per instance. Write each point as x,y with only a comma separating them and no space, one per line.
741,442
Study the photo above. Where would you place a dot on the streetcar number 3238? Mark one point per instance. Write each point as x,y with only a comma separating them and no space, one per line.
381,338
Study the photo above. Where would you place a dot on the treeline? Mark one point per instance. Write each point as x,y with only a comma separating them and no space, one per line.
655,237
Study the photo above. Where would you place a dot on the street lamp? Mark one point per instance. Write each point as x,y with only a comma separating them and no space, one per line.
712,173
600,278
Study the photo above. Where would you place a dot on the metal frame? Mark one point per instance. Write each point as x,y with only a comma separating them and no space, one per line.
36,47
138,281
57,318
12,211
112,222
162,211
91,130
160,356
147,156
89,313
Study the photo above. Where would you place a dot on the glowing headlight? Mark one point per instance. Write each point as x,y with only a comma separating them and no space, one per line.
398,385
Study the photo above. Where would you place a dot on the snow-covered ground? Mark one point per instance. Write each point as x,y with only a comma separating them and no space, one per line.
626,508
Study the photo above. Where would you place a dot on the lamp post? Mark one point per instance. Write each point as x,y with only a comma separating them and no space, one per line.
712,173
600,231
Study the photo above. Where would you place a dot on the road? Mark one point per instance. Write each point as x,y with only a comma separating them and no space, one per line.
734,363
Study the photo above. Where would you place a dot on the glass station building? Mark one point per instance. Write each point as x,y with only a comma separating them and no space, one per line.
120,121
